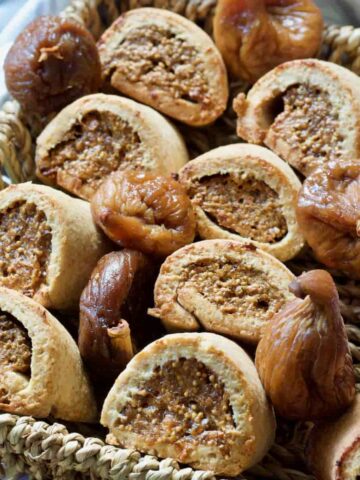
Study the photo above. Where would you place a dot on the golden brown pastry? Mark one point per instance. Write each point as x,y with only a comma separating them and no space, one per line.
41,373
245,192
303,358
48,244
223,286
195,397
100,134
306,111
328,213
334,450
166,61
254,36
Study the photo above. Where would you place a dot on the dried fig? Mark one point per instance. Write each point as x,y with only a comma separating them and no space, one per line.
115,299
328,213
150,213
303,358
256,35
53,62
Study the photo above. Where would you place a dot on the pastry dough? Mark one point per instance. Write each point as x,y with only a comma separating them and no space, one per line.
48,244
223,286
307,111
41,372
195,397
99,134
164,60
334,452
245,192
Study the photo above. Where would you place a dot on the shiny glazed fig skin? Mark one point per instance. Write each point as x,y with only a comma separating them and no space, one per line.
328,213
144,211
116,297
53,62
254,36
303,358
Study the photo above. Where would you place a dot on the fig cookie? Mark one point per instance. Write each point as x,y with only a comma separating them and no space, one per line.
195,397
306,111
101,134
166,61
245,192
222,286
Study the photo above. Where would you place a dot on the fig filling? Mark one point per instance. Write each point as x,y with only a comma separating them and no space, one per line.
157,57
349,466
95,146
15,349
309,122
241,204
25,245
236,289
183,401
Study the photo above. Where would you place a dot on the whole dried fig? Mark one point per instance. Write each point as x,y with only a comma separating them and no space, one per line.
150,213
303,358
254,36
53,62
328,213
114,301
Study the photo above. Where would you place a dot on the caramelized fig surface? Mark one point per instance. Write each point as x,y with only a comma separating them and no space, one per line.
254,36
52,63
328,213
303,358
144,211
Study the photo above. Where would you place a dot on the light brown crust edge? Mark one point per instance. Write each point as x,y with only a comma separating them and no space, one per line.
239,375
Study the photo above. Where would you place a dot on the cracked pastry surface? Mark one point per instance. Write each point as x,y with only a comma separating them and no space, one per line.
41,371
48,244
306,111
164,60
100,134
245,191
192,397
222,286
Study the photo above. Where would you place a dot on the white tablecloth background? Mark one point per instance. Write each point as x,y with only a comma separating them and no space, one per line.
16,14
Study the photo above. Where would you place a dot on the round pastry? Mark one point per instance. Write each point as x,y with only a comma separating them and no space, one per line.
49,244
195,397
164,60
307,111
223,286
41,373
100,134
245,192
334,448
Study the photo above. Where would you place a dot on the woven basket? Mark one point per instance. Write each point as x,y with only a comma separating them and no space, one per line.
50,451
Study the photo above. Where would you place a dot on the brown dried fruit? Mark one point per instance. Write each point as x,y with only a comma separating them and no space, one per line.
150,213
53,62
303,358
117,296
254,36
328,213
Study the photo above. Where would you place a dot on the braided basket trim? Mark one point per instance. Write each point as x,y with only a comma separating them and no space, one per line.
50,451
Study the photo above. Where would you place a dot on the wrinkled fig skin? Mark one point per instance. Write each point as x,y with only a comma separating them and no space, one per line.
303,358
120,288
144,211
52,63
328,213
254,36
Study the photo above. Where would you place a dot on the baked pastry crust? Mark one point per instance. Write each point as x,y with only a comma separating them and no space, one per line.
246,162
254,424
76,243
334,450
259,122
199,109
58,385
248,289
157,147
